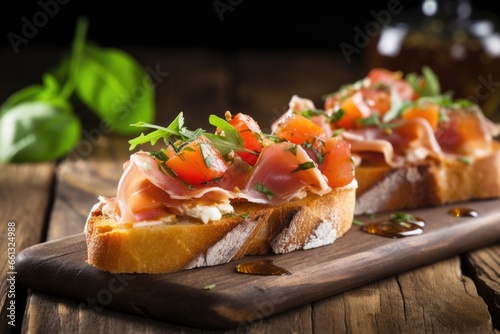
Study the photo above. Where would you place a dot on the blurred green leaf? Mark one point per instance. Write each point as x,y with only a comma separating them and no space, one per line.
115,87
37,131
38,123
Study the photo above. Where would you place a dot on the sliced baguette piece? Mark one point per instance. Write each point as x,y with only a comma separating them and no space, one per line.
253,229
427,184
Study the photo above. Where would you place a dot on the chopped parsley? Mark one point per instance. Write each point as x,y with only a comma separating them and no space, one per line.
304,166
262,189
209,286
292,149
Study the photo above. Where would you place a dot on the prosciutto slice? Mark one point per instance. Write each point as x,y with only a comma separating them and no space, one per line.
283,172
147,192
411,140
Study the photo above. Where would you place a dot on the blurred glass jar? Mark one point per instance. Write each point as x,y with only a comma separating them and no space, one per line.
460,44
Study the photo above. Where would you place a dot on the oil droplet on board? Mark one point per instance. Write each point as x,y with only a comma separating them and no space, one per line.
261,267
463,212
391,229
397,226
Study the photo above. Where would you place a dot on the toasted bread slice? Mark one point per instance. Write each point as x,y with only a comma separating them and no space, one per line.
426,184
253,229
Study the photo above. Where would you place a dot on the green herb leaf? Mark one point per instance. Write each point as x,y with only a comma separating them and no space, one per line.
292,149
209,286
395,110
261,188
160,155
401,217
39,119
337,115
304,166
175,129
310,113
37,131
115,87
466,160
358,222
426,84
230,141
206,149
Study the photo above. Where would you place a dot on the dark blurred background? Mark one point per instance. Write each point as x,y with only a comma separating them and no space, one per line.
345,35
226,25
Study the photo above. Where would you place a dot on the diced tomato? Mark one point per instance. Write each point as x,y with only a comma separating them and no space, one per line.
251,134
169,151
353,109
393,79
377,99
198,162
337,164
427,110
299,130
331,101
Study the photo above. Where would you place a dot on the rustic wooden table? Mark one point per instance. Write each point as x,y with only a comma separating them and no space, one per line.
46,201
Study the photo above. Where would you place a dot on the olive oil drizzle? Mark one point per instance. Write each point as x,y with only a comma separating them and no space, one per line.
463,212
398,225
261,267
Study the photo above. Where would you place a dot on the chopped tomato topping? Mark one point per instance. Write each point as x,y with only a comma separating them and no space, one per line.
352,109
251,134
169,151
198,162
395,81
427,110
299,130
377,99
337,164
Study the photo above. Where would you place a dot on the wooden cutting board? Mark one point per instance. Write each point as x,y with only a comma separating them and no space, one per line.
234,299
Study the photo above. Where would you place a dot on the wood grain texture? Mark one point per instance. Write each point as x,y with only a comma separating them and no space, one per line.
200,82
67,313
25,198
407,303
355,259
484,266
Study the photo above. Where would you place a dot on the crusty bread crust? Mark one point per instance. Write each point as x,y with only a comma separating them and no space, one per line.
253,229
430,183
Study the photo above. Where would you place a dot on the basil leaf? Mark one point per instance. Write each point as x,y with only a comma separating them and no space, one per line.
115,87
47,92
37,131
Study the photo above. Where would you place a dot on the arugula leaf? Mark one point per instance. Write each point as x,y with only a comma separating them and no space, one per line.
175,129
426,84
395,110
230,141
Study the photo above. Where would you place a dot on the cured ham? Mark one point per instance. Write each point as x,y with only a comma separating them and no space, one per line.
284,172
395,120
154,189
